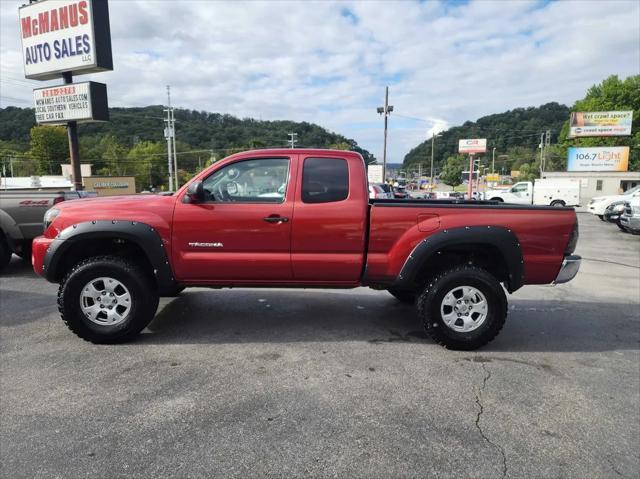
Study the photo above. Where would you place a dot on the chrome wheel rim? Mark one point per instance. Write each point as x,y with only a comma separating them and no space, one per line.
464,309
105,301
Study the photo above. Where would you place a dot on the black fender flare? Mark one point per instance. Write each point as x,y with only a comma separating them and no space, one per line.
141,234
499,237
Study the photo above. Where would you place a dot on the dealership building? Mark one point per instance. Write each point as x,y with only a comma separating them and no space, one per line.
599,183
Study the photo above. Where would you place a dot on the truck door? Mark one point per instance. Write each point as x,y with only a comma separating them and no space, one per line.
521,193
330,220
242,231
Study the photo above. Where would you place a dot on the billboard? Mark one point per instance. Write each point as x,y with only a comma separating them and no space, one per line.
600,123
73,102
65,36
478,145
374,174
605,158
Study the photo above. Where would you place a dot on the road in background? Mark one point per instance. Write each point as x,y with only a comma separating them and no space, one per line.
292,383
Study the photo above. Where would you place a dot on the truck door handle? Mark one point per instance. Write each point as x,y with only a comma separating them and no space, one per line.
276,219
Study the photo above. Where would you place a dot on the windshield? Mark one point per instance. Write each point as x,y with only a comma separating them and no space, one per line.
632,190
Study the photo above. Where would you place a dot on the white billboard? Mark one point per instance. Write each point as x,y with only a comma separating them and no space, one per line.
478,145
598,158
374,174
73,102
65,36
600,123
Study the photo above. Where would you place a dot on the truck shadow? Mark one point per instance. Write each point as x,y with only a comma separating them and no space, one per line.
277,316
18,268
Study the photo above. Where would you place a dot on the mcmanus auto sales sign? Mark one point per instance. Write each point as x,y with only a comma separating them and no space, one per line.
65,36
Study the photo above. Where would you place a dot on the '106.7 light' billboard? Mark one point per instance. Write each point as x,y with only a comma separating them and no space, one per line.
606,158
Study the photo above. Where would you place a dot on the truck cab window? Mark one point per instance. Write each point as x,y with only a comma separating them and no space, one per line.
251,181
519,188
325,180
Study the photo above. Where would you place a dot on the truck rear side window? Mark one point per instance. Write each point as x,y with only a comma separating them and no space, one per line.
325,180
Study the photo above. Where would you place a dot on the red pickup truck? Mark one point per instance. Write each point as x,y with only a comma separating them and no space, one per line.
299,218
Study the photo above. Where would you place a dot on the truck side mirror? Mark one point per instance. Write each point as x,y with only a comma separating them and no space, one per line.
195,192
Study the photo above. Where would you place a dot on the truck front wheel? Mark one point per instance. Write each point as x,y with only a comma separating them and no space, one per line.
107,299
463,308
5,252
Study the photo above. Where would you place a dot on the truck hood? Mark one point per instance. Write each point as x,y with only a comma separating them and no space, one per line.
612,198
154,210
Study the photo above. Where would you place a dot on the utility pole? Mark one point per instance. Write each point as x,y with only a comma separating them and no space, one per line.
385,111
547,143
168,135
541,154
293,139
470,185
493,161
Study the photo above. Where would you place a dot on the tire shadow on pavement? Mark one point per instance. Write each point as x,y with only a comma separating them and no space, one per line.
276,316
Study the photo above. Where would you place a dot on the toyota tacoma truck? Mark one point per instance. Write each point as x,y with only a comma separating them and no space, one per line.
299,218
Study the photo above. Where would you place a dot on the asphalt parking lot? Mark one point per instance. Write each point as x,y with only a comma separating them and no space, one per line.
301,383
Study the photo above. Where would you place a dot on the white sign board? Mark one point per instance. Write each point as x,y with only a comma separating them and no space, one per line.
478,145
65,36
73,102
600,123
374,174
598,158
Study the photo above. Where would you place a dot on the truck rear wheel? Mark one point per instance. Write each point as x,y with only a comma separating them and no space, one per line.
403,295
5,252
463,308
107,299
557,203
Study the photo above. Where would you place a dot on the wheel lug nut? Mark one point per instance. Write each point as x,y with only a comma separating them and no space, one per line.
101,306
99,298
104,293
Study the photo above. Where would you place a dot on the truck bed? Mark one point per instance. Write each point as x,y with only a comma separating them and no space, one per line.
398,226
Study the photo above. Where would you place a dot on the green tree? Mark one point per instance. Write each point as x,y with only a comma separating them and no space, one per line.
147,160
49,146
452,172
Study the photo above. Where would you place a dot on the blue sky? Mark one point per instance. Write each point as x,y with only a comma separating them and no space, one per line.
328,62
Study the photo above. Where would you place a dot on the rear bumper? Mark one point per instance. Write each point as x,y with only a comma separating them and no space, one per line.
569,269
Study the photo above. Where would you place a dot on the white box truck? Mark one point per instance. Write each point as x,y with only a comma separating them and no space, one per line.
551,191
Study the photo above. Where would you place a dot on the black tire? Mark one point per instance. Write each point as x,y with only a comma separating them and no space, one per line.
558,203
499,200
144,299
403,295
429,308
25,253
5,252
620,226
601,217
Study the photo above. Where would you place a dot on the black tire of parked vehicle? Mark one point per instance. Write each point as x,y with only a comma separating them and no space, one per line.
499,200
25,253
144,298
403,295
558,203
601,217
5,252
620,226
430,300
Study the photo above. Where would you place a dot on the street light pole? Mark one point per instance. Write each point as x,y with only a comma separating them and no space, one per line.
386,110
433,137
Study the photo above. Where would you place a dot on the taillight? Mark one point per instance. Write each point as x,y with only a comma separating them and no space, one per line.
573,239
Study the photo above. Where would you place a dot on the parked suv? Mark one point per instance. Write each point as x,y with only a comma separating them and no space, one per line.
630,219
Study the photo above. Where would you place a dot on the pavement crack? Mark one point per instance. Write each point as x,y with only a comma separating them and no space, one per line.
613,467
487,376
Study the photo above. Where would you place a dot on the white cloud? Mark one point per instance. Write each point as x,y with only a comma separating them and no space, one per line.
328,63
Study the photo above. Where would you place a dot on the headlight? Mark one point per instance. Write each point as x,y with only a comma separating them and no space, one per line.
617,208
635,210
49,216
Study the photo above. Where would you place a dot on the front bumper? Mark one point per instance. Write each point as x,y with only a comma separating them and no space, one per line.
39,248
569,269
630,222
